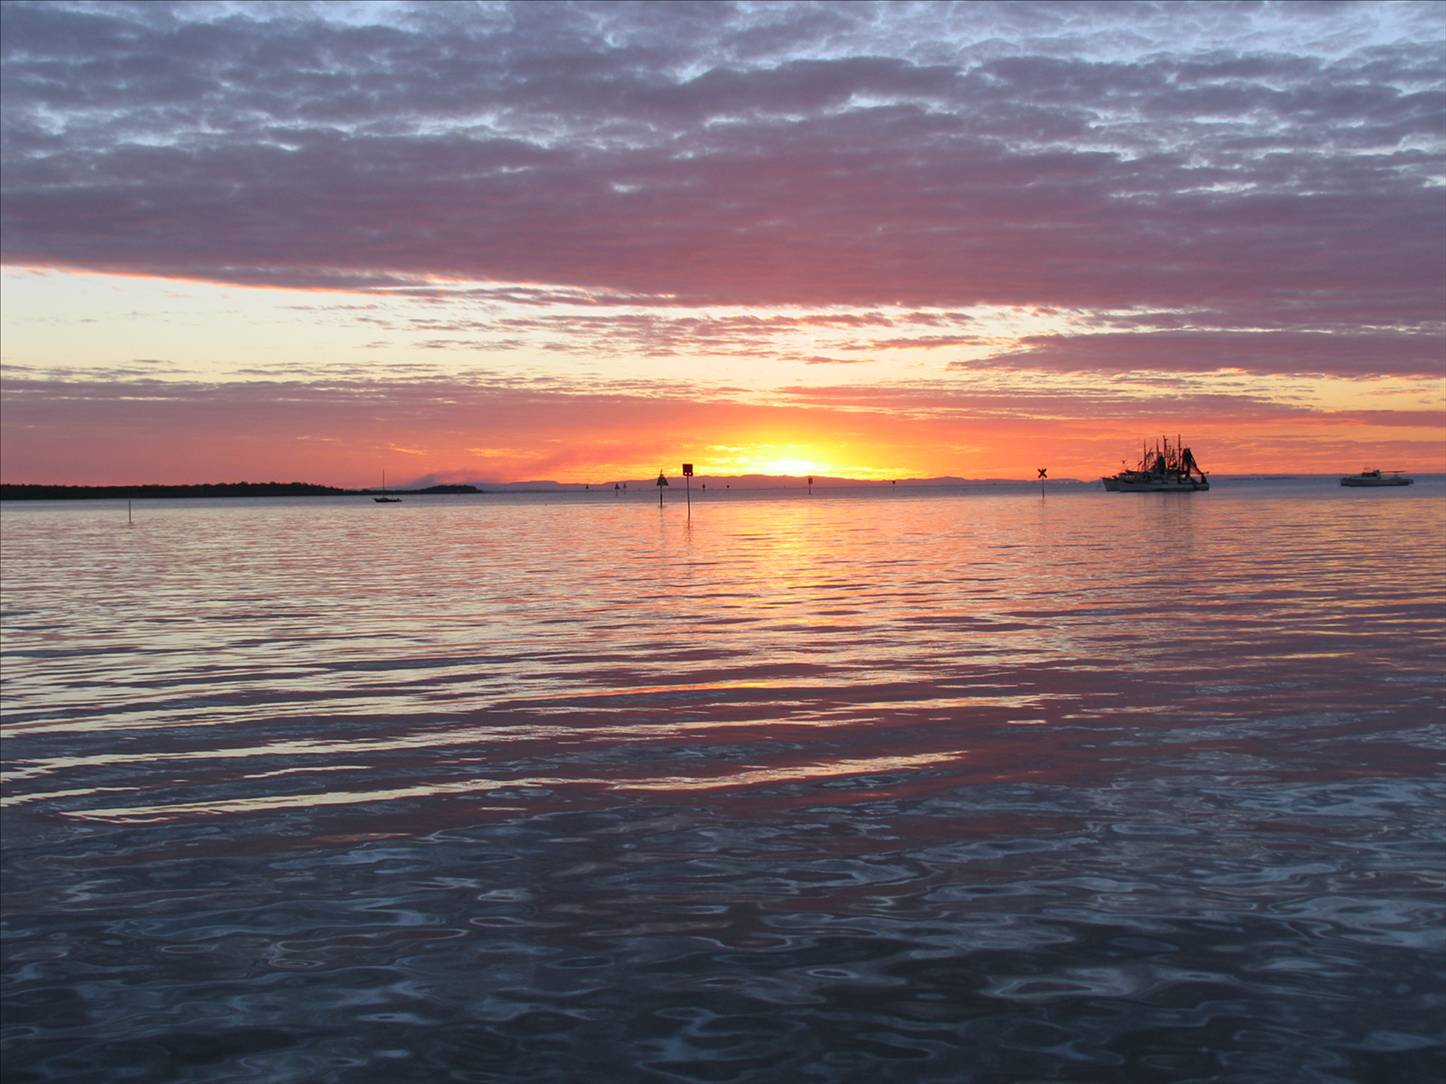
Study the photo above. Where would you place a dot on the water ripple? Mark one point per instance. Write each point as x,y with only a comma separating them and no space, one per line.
934,788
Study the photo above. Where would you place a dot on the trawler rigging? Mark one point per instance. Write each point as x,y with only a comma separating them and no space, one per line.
1167,468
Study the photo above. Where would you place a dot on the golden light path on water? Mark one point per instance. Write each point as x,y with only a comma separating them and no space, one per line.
320,621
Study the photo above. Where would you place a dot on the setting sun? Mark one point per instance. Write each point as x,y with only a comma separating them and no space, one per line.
792,459
790,467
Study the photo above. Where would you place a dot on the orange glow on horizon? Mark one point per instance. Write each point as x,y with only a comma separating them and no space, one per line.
892,448
795,459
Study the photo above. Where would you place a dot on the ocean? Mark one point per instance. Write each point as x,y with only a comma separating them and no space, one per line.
870,785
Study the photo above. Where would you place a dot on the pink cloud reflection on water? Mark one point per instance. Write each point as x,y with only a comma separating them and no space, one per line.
560,649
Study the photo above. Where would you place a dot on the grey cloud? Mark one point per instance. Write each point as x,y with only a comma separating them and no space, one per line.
1360,354
723,154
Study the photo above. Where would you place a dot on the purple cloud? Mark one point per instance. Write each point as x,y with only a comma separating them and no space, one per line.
813,155
1274,352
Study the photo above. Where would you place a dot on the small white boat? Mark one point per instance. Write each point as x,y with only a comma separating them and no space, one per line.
1377,478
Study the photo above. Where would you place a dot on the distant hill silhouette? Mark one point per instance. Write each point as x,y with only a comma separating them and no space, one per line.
11,491
453,488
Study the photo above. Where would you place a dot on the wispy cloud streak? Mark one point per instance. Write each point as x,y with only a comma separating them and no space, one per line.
451,429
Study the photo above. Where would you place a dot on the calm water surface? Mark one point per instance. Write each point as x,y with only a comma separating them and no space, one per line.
880,786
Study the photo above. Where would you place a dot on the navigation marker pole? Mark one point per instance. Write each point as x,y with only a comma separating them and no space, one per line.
1042,477
688,474
660,483
129,522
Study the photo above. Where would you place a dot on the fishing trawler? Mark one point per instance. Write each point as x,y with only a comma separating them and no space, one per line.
1167,468
1377,478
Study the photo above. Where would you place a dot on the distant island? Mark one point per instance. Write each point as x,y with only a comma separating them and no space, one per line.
10,491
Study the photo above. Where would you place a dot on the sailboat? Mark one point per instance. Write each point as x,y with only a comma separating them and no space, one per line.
384,499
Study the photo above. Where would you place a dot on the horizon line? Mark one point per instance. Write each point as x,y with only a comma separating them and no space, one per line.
801,480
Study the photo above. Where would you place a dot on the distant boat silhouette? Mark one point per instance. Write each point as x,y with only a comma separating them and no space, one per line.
1167,469
385,499
1372,478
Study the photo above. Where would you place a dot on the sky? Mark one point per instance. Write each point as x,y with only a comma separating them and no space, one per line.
583,242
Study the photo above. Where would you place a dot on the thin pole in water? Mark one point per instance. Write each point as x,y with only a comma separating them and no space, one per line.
1042,477
687,474
129,521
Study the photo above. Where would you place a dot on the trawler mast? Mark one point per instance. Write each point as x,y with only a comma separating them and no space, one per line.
1166,468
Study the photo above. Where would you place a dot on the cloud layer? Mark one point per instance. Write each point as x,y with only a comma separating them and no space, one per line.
725,155
909,192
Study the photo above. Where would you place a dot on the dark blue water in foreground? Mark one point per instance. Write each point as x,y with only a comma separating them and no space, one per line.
882,787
